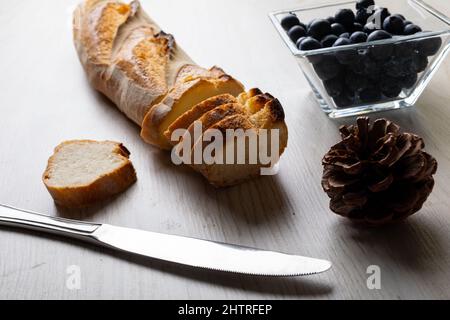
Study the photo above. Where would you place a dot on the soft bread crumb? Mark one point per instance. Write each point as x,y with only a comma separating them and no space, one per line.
82,172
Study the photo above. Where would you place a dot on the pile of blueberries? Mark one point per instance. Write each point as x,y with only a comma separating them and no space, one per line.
380,71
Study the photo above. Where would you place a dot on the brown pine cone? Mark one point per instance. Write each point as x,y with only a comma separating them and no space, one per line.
377,174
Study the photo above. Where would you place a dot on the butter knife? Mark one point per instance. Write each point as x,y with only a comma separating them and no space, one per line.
177,249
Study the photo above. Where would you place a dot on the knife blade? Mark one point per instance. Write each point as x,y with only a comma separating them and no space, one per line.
176,249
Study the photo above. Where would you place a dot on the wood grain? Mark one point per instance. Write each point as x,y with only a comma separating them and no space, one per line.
45,99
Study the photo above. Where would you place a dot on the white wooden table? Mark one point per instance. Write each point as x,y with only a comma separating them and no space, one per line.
45,98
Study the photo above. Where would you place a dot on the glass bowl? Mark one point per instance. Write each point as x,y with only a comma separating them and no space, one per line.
372,76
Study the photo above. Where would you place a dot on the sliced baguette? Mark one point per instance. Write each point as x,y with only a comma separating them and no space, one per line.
82,172
213,116
250,103
181,99
186,119
269,117
225,175
128,58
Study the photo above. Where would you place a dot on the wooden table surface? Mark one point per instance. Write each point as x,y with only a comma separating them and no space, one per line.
45,99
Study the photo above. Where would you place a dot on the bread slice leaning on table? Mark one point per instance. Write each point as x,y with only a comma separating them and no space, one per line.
139,67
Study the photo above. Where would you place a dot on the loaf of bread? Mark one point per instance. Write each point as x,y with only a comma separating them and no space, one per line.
82,172
139,67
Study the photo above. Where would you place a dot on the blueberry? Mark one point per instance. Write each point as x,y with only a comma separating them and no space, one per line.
310,23
346,17
357,27
404,49
358,37
419,62
392,92
390,87
382,52
337,29
319,29
370,27
344,100
393,25
399,16
315,58
296,32
379,35
289,20
409,81
310,44
430,46
299,41
329,40
346,56
355,82
334,87
406,22
352,95
358,68
411,29
370,94
342,42
362,16
375,75
328,68
398,67
331,20
388,82
372,68
345,35
364,4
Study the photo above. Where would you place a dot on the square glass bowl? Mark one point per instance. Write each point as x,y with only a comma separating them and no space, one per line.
349,80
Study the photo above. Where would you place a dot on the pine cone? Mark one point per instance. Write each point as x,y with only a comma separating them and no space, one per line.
377,175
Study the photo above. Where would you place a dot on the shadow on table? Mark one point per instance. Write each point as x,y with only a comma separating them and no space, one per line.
415,244
259,201
106,104
256,201
98,209
408,119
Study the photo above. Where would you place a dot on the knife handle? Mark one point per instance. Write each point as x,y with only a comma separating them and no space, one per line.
13,217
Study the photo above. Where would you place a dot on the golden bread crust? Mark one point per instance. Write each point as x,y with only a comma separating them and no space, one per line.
125,54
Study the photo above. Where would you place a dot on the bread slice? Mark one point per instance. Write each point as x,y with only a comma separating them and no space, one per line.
181,99
225,175
250,103
82,172
263,112
186,119
217,114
